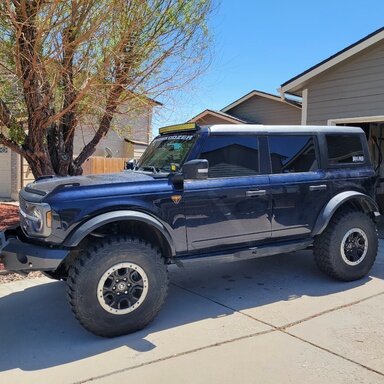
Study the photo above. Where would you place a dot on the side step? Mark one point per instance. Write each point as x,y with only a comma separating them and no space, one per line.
250,253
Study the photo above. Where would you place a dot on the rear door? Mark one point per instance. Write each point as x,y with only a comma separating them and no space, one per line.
233,206
299,188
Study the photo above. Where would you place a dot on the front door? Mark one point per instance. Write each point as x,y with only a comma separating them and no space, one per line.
232,206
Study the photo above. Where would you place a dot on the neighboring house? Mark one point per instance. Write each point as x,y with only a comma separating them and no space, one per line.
255,107
209,117
347,89
137,126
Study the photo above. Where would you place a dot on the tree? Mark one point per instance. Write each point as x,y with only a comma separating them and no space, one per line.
63,61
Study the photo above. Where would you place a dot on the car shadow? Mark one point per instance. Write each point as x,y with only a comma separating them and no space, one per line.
39,331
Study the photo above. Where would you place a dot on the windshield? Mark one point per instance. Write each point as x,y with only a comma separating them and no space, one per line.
166,150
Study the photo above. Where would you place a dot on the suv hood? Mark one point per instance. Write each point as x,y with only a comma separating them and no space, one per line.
44,186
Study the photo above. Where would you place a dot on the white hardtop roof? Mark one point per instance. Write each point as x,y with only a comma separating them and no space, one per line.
258,128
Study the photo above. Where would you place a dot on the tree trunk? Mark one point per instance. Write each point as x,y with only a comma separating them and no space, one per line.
40,165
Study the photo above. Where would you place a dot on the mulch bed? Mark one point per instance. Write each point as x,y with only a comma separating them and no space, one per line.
9,216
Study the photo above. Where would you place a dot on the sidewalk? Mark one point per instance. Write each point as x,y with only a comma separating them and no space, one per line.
272,320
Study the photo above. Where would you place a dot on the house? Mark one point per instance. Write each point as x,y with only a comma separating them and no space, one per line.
347,89
256,107
135,125
210,117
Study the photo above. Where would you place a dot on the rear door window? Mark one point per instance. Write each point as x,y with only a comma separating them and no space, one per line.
292,154
345,149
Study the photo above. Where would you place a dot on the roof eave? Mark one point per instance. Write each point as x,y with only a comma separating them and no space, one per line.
297,83
231,119
137,142
253,93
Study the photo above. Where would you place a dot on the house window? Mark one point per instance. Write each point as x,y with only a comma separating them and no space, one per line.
231,156
344,149
3,149
291,154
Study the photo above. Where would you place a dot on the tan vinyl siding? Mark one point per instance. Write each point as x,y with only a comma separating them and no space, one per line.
112,141
262,110
210,120
135,150
135,125
139,150
354,88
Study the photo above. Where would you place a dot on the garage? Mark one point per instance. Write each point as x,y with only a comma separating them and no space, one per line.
5,172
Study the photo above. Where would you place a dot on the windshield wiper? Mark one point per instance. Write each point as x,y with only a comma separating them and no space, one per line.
149,168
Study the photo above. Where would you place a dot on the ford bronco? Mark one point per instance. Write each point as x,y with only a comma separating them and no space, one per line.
221,191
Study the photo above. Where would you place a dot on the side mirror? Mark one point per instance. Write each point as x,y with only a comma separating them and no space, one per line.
196,169
131,164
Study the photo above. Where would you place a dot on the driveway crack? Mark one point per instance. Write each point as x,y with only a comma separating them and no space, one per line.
283,328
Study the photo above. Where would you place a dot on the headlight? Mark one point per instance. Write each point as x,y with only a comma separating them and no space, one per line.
38,223
36,219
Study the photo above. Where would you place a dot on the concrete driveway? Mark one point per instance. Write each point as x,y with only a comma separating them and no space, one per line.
272,320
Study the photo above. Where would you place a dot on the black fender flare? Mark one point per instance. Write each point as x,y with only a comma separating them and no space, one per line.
87,227
368,204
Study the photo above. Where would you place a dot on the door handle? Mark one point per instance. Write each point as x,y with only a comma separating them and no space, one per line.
259,192
317,187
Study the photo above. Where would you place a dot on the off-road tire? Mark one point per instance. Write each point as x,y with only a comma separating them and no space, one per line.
53,275
327,246
89,268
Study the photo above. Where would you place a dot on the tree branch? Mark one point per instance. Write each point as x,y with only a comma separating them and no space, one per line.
5,115
11,144
104,126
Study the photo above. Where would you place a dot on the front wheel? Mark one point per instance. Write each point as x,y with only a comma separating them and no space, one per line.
118,286
347,249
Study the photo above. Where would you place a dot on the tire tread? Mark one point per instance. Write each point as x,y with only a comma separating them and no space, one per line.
323,243
85,261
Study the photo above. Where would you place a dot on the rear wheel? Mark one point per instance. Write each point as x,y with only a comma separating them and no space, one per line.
347,249
118,286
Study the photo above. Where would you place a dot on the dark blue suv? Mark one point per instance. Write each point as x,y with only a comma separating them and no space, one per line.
221,191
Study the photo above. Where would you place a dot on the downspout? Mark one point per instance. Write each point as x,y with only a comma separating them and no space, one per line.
304,106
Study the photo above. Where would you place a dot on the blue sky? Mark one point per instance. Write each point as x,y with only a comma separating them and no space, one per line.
261,44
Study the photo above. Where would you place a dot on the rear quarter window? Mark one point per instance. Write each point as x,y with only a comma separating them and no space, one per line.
292,154
345,149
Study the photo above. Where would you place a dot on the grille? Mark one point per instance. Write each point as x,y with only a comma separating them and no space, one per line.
23,204
23,208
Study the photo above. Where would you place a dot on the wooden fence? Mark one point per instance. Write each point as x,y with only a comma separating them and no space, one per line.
95,165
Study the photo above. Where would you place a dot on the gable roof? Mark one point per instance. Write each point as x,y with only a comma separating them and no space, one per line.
266,95
220,114
294,85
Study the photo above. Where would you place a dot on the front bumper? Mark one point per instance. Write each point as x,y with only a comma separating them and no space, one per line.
17,255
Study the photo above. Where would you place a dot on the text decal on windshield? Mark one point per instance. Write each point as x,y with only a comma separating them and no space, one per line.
177,137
